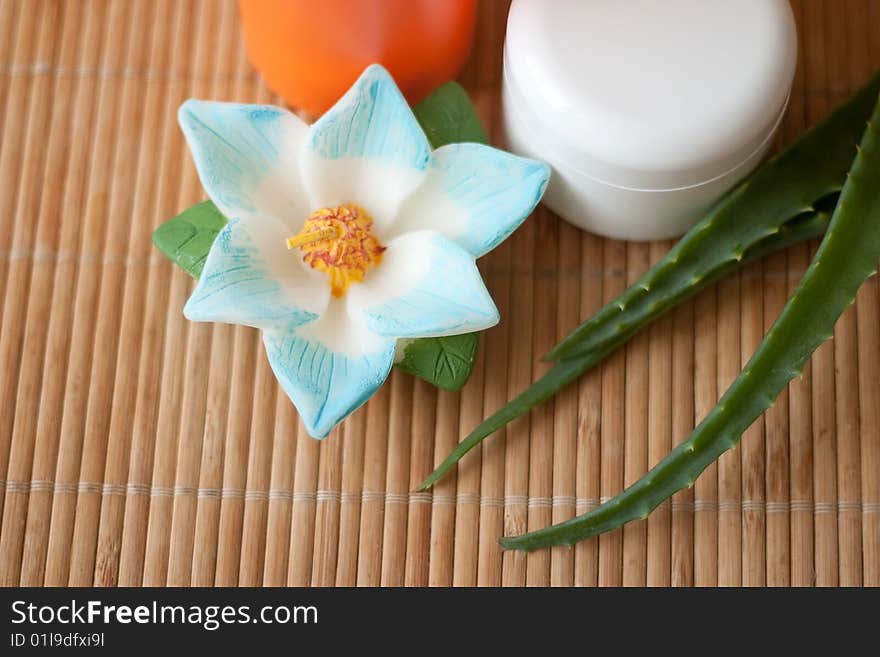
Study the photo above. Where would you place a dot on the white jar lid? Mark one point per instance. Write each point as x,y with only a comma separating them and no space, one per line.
650,94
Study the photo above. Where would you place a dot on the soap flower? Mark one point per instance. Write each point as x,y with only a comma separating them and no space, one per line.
348,236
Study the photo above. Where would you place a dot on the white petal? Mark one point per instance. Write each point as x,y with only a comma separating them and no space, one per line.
475,195
327,384
248,158
251,278
424,286
368,149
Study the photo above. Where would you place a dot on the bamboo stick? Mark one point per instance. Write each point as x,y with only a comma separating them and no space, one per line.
479,519
565,421
24,47
799,390
30,275
200,357
540,464
516,458
46,331
754,529
869,394
140,328
480,496
179,335
103,362
22,198
27,45
302,525
823,385
278,522
350,503
196,519
418,523
373,498
613,421
801,452
237,363
198,473
253,535
635,455
847,55
327,510
397,480
197,523
776,426
682,556
146,521
96,563
659,438
173,474
10,14
441,558
869,413
726,567
589,451
115,96
247,347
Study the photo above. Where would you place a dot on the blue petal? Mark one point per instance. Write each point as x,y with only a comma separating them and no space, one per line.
237,285
325,386
475,195
238,147
443,293
372,120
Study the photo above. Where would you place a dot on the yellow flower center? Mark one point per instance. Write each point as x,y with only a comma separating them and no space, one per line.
339,241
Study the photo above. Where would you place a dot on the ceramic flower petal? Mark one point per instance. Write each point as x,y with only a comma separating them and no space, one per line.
248,158
427,286
325,381
249,278
368,147
474,194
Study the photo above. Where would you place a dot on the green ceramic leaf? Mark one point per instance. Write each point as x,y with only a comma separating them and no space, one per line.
188,237
447,116
445,362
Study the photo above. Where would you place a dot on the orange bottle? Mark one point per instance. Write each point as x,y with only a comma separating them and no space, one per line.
311,51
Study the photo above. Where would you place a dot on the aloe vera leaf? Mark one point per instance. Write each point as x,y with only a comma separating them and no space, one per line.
847,256
565,371
788,185
815,166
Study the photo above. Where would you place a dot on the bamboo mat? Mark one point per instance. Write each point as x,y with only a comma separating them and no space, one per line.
123,464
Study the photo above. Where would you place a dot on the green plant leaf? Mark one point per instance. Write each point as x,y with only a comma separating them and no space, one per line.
446,362
846,258
786,200
187,238
447,116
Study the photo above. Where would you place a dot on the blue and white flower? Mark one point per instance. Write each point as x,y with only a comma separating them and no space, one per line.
347,236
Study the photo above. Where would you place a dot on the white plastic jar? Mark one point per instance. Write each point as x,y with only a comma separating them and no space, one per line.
647,110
